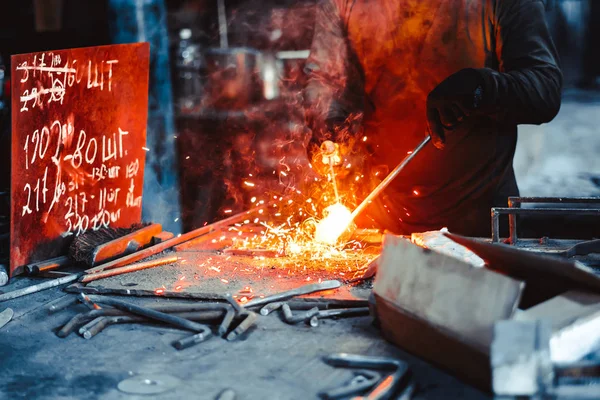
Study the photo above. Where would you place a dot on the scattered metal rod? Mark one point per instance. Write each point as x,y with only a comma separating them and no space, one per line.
290,318
150,313
79,288
269,308
62,303
88,302
89,324
38,287
344,312
129,268
388,386
167,244
194,339
313,322
306,289
362,381
47,265
236,306
308,304
82,318
325,304
226,323
286,311
246,324
107,321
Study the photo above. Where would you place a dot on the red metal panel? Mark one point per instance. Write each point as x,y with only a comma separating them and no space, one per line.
78,136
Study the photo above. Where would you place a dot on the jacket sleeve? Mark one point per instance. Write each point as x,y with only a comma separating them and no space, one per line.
334,93
527,87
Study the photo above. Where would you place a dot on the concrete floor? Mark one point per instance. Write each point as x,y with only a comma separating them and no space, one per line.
274,361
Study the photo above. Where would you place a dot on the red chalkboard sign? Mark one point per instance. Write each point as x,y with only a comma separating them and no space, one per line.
78,136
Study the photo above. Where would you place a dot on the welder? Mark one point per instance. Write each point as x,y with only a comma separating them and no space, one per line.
384,73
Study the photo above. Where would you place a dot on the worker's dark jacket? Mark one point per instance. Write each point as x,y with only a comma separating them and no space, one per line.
381,58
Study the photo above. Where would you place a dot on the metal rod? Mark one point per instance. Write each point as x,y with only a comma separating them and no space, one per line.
388,179
129,268
246,324
167,244
194,339
38,288
62,303
306,289
149,313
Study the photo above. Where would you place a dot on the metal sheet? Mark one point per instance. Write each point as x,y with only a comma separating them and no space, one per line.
78,137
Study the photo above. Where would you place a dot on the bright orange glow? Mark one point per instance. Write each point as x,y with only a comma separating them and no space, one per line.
336,222
416,192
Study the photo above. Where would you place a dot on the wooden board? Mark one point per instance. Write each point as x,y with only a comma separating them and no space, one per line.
448,294
78,136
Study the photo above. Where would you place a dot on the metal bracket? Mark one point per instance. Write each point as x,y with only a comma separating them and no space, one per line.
514,209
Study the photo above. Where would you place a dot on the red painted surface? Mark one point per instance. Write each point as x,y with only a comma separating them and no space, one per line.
78,136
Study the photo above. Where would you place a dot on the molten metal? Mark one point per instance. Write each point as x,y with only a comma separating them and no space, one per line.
337,220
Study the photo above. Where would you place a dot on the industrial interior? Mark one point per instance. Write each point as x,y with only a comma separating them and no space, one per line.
311,199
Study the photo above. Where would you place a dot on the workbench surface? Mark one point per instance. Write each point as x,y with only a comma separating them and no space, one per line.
273,361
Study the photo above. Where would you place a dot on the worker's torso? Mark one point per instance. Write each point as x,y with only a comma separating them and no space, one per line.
405,48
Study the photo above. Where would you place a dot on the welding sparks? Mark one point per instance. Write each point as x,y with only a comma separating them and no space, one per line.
337,220
416,192
227,211
247,183
145,149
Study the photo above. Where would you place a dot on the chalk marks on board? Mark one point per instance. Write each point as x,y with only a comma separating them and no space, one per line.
53,76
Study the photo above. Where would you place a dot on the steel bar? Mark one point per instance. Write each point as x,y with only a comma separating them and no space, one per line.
313,322
38,287
194,339
388,179
306,289
149,313
269,308
79,288
82,318
305,316
107,321
236,306
167,244
62,303
344,312
84,328
246,324
226,322
370,379
326,304
129,268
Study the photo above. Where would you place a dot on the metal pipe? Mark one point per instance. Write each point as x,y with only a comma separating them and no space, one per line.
388,179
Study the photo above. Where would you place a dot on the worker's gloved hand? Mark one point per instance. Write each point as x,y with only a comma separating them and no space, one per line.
457,97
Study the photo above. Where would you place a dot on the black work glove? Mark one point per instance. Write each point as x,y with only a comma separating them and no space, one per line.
457,97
